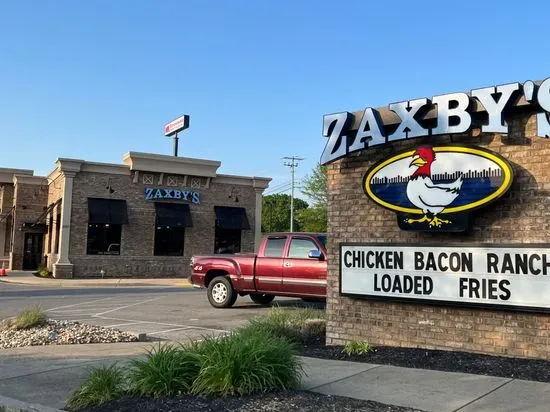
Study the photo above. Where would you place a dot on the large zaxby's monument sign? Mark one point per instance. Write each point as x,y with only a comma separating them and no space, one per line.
438,221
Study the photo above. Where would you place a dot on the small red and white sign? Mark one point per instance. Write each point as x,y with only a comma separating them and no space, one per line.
175,126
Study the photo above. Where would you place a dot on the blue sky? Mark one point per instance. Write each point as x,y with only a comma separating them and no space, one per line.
95,79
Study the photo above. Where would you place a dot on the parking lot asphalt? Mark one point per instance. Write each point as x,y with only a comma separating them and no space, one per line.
171,313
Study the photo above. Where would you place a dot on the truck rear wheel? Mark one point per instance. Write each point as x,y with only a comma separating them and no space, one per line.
261,298
221,293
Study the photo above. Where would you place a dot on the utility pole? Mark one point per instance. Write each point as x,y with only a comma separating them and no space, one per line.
293,164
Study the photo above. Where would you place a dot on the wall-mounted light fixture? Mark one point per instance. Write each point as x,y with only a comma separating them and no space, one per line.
109,188
234,194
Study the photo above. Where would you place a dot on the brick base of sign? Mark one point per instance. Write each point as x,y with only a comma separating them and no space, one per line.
521,216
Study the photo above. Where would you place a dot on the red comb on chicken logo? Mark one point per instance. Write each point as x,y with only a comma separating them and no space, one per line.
435,188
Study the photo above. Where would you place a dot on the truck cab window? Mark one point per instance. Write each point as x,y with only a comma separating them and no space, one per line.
300,248
274,246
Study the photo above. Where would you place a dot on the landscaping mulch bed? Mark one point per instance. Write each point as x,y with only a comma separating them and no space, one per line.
281,401
450,361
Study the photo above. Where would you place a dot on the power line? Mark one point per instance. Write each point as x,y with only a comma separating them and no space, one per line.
293,164
275,188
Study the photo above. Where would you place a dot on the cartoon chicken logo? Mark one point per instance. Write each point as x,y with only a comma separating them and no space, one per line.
426,195
435,188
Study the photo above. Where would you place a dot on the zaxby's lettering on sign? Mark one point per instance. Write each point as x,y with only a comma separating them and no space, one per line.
507,276
434,188
152,193
454,115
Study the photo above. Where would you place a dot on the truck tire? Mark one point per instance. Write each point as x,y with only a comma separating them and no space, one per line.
261,298
221,293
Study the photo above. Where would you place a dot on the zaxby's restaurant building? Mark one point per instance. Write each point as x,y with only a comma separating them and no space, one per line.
145,217
439,222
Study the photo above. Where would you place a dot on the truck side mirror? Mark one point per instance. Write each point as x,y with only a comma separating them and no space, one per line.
315,254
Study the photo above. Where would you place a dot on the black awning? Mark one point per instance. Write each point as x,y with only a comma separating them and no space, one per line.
173,214
101,211
231,217
46,211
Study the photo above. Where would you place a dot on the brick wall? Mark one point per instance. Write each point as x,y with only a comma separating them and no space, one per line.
6,203
137,243
520,216
30,200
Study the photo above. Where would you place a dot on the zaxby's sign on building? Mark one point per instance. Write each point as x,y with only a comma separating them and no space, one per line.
439,220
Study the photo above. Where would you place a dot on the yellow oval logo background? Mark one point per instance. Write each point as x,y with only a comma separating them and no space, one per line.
506,177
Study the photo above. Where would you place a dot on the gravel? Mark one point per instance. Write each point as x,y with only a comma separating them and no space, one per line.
279,401
62,332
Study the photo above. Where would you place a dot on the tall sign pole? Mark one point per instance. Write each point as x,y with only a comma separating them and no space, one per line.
174,127
293,164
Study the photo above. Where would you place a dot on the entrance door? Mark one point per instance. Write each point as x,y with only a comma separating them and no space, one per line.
32,257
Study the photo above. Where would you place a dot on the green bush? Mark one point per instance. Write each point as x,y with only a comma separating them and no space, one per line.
296,325
252,359
356,347
166,370
29,318
102,385
244,362
44,272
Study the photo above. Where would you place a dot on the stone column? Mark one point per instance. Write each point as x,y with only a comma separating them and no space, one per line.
63,268
258,218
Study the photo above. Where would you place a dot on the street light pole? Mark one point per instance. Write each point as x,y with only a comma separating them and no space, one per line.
293,164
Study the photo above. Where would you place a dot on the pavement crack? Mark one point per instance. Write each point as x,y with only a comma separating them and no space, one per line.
484,395
344,378
77,365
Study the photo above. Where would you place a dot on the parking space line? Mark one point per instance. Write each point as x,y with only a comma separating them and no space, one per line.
78,304
128,306
92,310
141,321
166,331
121,324
162,324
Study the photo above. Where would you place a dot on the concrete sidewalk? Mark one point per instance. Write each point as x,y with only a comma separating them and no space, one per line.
46,375
27,278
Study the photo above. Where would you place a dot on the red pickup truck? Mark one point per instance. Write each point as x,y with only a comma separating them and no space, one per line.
287,264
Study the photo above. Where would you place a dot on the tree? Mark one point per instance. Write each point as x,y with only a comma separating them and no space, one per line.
315,187
312,219
276,213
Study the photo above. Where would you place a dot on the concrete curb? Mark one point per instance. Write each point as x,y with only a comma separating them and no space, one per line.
14,405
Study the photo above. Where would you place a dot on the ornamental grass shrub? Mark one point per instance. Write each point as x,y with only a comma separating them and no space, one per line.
297,325
103,384
244,362
29,318
249,360
356,347
166,370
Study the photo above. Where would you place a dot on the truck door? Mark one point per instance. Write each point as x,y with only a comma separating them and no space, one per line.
302,274
268,274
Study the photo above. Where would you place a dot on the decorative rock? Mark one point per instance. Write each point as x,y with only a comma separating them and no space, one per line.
62,332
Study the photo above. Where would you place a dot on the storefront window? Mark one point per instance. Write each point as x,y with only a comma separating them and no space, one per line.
169,241
104,239
227,241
